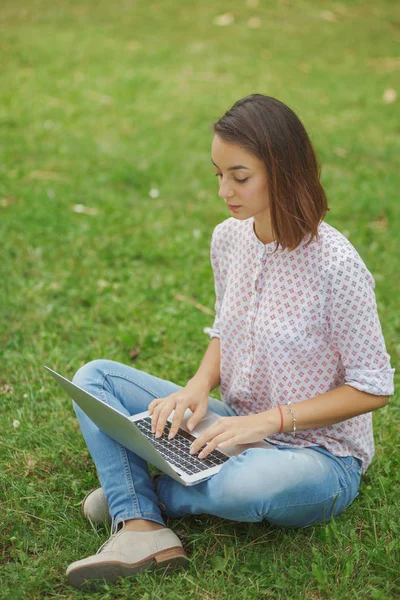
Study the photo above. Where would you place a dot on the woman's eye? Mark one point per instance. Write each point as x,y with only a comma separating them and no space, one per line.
238,180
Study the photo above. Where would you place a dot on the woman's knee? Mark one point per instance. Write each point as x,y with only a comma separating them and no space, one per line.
239,490
94,370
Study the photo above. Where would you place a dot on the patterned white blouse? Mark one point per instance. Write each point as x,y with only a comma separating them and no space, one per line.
294,325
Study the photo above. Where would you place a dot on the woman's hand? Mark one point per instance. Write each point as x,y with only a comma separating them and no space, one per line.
193,396
229,431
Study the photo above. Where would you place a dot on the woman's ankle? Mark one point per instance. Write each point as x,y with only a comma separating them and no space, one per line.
142,525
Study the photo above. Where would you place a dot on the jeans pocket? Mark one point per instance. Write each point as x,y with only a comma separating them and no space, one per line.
345,464
349,462
354,465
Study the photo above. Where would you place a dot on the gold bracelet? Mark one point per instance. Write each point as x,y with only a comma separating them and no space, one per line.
290,412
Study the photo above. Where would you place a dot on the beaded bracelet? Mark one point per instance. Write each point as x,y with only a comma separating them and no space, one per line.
290,412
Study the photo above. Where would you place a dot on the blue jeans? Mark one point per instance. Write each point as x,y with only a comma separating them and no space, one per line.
285,485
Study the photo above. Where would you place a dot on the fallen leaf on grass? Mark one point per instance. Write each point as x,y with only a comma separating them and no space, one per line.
81,208
4,202
389,96
224,20
342,152
134,353
29,466
380,224
327,15
6,389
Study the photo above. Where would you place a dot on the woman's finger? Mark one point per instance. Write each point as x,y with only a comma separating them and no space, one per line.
163,415
210,433
177,420
225,437
156,408
153,404
209,436
205,437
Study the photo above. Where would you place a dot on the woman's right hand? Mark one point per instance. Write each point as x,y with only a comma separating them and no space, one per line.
193,396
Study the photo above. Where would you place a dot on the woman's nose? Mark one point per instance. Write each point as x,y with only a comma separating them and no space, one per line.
225,191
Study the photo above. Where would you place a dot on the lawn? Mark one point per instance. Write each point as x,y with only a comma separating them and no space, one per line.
107,204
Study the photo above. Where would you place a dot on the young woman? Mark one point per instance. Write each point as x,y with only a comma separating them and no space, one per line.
296,347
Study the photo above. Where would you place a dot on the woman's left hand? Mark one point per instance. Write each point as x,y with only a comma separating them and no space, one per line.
229,431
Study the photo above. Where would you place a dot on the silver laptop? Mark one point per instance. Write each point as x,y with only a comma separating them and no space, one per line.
170,456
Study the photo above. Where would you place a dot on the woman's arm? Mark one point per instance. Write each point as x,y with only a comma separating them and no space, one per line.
334,406
207,376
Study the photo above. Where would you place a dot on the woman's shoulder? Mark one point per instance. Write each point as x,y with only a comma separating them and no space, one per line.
228,227
227,233
337,252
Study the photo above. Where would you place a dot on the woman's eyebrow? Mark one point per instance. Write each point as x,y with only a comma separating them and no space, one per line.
232,168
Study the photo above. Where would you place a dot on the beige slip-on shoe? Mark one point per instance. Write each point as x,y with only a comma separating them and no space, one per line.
127,553
95,508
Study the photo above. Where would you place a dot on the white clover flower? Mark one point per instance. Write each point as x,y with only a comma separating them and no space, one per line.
154,193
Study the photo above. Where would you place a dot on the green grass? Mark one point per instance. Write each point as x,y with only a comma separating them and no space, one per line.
101,102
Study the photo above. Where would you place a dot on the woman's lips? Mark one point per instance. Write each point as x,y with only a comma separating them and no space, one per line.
233,206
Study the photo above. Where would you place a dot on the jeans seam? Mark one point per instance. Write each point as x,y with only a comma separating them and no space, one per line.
106,373
123,453
126,515
335,497
129,479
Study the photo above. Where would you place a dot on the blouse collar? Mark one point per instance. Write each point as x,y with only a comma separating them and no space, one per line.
270,247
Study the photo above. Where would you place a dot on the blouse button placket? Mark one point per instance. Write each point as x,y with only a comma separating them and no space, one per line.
248,357
258,285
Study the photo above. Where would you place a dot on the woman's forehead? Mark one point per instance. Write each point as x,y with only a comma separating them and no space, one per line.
228,154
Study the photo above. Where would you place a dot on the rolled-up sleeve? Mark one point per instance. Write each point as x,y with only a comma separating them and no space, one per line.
351,321
214,331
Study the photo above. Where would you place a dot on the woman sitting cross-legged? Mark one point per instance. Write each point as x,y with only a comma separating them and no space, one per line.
296,347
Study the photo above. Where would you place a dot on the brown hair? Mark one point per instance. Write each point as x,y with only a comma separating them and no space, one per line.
273,133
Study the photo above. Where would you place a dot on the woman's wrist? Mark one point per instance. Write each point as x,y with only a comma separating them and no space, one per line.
200,384
276,420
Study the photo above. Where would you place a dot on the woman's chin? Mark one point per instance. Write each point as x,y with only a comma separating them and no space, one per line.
240,214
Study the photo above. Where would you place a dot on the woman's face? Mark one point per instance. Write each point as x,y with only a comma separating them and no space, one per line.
243,181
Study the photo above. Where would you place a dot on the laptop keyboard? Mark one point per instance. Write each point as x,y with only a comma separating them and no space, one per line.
176,451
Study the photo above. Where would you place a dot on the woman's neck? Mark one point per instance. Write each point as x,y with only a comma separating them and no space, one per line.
263,231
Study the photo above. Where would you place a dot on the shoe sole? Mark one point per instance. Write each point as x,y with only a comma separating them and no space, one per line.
87,576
